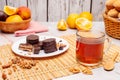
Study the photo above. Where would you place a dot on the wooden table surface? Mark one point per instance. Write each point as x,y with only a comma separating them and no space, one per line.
98,74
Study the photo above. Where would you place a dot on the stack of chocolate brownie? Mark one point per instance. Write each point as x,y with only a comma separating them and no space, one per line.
34,40
49,45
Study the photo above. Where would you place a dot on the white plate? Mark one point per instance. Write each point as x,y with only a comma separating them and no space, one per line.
15,48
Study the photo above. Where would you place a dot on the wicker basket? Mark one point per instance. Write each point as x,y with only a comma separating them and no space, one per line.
14,26
112,26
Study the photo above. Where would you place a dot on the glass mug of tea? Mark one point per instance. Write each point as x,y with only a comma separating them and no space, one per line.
90,47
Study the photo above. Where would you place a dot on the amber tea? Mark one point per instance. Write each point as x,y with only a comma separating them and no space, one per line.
89,47
90,53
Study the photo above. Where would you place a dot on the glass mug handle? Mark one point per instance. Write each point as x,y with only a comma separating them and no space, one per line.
109,44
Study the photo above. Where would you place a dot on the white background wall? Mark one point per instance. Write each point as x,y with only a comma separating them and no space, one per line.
54,10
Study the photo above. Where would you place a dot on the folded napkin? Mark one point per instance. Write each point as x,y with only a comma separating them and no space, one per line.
34,27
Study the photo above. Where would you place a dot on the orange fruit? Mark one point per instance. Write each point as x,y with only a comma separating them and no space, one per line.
83,24
14,18
86,15
24,12
62,25
71,20
10,10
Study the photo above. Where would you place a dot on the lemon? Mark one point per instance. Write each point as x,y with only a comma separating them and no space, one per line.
86,15
14,18
10,10
83,24
62,25
71,20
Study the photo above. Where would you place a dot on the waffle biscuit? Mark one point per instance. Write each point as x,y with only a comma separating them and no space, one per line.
26,47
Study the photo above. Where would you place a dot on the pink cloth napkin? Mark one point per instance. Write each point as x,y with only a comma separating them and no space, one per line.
34,27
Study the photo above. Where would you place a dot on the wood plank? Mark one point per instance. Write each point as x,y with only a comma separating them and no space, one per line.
77,6
2,3
17,3
57,9
39,9
98,7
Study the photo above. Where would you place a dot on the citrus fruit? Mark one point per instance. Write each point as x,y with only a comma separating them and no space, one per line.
10,10
86,15
83,24
24,12
62,25
71,20
14,18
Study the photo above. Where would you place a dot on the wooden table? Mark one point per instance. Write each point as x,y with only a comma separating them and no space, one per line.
99,73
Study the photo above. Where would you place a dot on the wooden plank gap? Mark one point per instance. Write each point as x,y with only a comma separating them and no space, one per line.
27,2
47,10
91,6
69,7
6,2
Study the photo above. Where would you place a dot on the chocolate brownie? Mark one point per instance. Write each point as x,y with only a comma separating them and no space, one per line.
40,44
32,39
36,49
49,45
